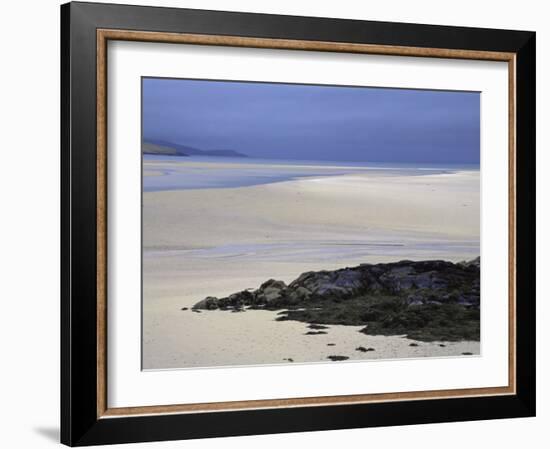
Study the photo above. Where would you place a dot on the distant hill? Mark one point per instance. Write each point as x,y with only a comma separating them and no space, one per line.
177,149
224,153
151,148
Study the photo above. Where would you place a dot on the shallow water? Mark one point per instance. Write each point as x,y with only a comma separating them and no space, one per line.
200,172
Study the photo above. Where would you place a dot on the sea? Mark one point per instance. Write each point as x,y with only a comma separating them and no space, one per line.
162,172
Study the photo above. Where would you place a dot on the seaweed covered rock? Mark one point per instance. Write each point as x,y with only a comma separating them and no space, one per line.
340,283
270,292
426,282
427,300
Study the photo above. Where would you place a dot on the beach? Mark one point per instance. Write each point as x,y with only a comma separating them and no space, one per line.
215,240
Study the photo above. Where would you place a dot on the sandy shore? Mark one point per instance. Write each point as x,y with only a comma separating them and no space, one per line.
217,241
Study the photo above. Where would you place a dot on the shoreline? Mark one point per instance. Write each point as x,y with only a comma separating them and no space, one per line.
203,242
286,163
223,347
164,174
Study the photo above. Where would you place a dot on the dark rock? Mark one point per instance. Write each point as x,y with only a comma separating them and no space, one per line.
413,344
297,295
185,308
236,300
337,358
443,346
474,263
270,292
415,299
427,300
339,283
331,344
208,303
289,360
363,349
315,333
467,353
427,282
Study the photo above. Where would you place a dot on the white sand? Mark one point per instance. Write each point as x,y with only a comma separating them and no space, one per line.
218,241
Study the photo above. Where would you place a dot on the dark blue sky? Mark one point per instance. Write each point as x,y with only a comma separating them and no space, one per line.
285,121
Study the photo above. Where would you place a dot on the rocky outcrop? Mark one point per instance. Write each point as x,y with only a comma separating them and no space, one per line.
429,300
427,282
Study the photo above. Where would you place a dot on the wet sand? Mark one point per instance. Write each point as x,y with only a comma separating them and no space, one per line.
215,242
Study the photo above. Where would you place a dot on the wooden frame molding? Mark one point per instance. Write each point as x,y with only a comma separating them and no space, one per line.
105,35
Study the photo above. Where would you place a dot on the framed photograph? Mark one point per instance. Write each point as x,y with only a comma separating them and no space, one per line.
281,224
